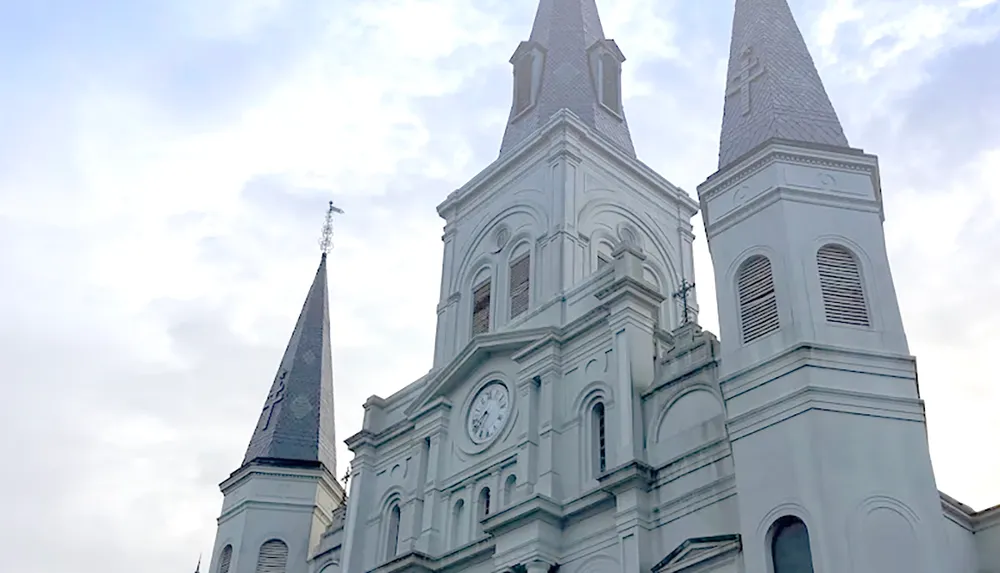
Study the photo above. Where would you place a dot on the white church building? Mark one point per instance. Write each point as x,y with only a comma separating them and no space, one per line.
576,418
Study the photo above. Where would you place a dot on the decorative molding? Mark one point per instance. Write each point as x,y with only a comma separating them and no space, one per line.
697,552
563,125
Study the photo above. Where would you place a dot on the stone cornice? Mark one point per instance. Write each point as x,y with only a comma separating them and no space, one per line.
781,151
360,440
283,469
827,399
632,475
535,508
968,518
564,126
847,159
811,353
627,285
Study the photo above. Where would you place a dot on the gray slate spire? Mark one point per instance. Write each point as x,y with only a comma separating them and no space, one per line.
773,89
566,30
296,426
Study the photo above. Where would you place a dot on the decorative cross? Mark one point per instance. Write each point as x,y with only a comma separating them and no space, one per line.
682,294
326,239
347,476
276,395
750,71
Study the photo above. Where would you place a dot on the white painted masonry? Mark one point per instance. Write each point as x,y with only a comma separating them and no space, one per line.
628,440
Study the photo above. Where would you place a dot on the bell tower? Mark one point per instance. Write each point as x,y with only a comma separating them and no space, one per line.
282,498
827,426
564,193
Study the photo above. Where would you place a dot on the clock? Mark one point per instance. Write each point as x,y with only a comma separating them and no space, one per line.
489,412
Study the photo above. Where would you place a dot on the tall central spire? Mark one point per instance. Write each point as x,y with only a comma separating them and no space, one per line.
773,90
567,64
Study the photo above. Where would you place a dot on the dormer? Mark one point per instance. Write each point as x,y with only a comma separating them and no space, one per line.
528,61
606,61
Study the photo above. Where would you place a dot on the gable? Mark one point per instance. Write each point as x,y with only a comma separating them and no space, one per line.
478,351
698,552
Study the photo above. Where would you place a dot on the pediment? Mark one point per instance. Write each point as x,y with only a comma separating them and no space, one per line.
698,551
475,353
610,46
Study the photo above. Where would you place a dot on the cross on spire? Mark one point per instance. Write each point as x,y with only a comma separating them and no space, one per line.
326,239
682,294
273,398
768,56
750,71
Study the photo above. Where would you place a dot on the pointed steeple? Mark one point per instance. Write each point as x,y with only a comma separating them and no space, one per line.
296,425
567,63
773,90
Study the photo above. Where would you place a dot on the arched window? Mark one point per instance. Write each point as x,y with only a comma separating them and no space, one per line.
508,489
482,509
840,282
484,502
392,533
520,285
790,552
225,559
273,557
599,438
757,300
611,82
523,78
457,523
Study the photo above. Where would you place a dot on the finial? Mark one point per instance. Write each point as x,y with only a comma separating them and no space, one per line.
683,295
326,240
197,568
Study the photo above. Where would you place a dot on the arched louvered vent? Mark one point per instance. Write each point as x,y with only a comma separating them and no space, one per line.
758,303
520,285
273,557
840,281
225,559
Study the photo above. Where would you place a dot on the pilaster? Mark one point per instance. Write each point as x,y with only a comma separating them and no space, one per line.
565,160
529,392
630,484
359,501
430,539
633,306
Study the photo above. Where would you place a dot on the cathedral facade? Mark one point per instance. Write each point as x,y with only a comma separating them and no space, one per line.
577,418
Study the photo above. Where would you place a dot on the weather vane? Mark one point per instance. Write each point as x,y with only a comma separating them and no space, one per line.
326,240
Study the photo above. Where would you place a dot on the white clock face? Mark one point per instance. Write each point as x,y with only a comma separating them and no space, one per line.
489,412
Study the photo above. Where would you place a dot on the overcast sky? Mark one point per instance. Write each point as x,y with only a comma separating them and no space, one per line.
165,166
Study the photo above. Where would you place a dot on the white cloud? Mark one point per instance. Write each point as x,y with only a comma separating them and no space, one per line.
155,262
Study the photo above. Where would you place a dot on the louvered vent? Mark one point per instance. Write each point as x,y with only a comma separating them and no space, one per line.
225,559
610,77
481,309
522,82
273,557
758,303
520,282
840,281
